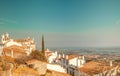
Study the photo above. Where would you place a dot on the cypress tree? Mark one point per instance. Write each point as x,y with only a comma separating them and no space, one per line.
43,46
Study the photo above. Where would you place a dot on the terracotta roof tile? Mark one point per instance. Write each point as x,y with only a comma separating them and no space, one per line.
20,40
48,53
32,61
8,58
14,48
72,56
94,68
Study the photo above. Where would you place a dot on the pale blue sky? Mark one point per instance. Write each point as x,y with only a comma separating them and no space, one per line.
80,23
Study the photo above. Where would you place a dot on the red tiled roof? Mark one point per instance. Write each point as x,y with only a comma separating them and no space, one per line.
48,53
32,61
69,57
23,40
20,40
8,58
94,67
14,48
1,43
72,56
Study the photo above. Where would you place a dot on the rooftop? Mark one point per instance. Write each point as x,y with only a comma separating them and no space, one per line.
72,56
14,48
33,61
93,67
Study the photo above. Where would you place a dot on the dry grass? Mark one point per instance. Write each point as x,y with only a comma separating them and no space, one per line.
25,71
55,73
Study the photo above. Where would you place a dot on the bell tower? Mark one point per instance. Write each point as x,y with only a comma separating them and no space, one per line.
5,37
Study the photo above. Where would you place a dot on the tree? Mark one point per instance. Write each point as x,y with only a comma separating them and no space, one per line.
43,46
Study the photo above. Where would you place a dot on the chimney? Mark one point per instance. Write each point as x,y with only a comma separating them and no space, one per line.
59,56
83,57
56,53
111,63
67,57
63,56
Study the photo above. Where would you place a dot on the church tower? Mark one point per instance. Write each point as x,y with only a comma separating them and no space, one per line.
5,38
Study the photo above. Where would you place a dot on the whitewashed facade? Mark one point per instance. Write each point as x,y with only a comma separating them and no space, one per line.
70,62
59,62
1,48
28,44
51,56
56,67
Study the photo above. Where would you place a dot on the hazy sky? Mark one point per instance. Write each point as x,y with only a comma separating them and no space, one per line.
80,23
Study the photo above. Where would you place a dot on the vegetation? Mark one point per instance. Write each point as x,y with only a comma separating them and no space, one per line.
39,55
48,73
25,71
21,61
34,55
4,67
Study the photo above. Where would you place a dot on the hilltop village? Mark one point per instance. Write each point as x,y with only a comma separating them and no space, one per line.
19,57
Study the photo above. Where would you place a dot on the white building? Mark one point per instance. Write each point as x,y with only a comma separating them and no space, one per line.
60,62
74,60
1,48
51,56
70,62
28,44
5,38
11,42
